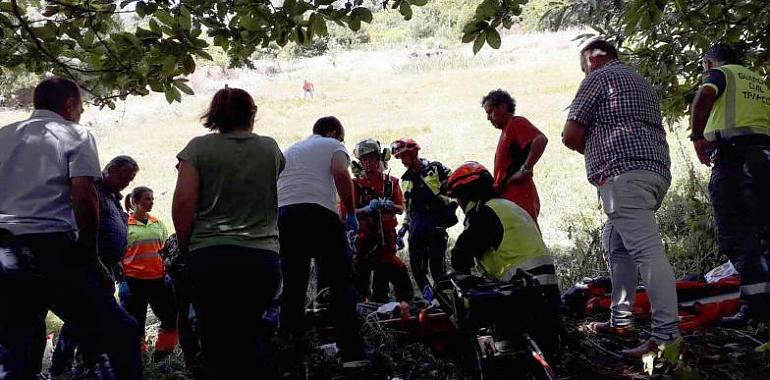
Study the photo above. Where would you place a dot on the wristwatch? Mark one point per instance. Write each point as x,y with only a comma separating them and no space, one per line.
525,170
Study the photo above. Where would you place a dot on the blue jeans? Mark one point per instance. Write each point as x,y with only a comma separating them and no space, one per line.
739,191
41,272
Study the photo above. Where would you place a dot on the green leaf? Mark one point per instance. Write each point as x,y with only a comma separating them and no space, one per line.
155,27
200,43
156,86
141,9
318,23
95,60
184,18
88,39
183,87
204,54
763,348
165,18
493,38
46,31
188,63
363,14
406,10
250,23
468,37
672,351
419,3
487,9
479,42
169,65
354,24
475,26
170,96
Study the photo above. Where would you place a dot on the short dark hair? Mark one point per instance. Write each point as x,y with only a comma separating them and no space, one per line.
121,161
53,93
326,125
230,109
498,97
722,53
601,45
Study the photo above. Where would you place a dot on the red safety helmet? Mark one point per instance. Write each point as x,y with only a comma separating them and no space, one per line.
467,175
401,146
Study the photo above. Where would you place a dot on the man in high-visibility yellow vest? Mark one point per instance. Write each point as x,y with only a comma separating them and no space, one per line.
502,238
731,133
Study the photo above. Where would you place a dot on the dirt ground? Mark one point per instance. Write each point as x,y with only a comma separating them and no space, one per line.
724,354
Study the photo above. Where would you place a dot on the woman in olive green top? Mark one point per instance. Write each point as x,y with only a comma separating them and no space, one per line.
225,213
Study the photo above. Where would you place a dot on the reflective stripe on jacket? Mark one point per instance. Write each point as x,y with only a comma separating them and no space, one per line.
743,108
142,259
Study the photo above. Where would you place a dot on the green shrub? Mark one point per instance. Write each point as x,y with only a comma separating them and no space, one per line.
686,223
534,11
585,258
16,87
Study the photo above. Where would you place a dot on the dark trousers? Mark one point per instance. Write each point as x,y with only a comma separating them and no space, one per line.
41,272
64,351
427,250
37,349
312,231
231,287
389,270
188,339
136,294
739,189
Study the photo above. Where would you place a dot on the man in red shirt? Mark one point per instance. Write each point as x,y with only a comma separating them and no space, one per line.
520,146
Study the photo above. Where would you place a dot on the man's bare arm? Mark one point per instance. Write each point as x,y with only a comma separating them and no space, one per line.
574,136
342,180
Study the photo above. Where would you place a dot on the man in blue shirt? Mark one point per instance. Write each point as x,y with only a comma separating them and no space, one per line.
112,240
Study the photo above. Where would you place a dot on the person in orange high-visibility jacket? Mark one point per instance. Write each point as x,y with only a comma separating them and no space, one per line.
145,279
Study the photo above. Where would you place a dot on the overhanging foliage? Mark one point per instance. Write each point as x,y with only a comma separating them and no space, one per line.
666,39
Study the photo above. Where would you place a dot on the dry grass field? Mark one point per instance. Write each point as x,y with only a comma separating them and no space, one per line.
384,94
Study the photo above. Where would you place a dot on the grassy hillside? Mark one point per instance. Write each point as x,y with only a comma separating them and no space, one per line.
384,94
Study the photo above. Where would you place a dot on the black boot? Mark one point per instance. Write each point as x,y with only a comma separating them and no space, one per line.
740,319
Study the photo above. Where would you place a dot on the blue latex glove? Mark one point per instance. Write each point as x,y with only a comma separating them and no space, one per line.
399,242
351,222
387,205
374,205
404,229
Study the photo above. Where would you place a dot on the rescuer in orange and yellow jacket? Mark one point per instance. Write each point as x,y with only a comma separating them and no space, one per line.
145,279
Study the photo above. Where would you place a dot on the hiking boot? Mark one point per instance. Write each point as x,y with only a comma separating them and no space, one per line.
740,319
650,346
607,329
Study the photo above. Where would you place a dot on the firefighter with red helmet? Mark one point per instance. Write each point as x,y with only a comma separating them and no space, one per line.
377,199
429,212
499,235
503,239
